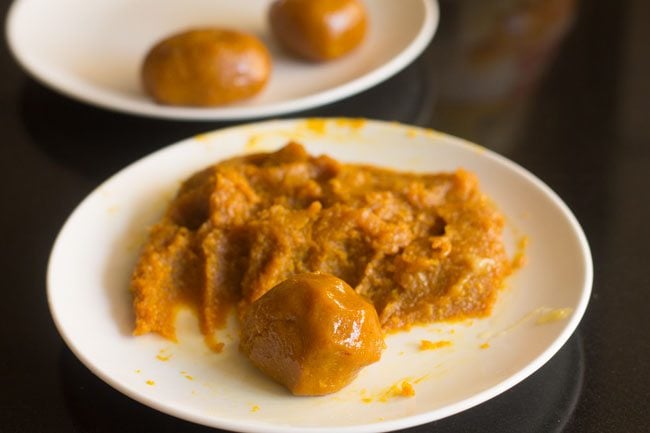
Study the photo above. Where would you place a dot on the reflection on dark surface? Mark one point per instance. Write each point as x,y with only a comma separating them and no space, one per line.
92,141
542,403
97,142
490,56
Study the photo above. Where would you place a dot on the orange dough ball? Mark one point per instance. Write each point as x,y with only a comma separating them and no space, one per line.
312,333
318,30
206,67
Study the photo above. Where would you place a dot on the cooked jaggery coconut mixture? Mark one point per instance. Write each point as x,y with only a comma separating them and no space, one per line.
420,248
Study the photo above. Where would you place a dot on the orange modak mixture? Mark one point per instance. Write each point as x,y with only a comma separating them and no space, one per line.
419,248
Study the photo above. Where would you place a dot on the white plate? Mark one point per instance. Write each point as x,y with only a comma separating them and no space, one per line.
92,50
92,258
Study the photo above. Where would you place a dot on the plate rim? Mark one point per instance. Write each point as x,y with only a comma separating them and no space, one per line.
250,425
105,99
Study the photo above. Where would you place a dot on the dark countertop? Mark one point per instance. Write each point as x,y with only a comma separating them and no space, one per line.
570,101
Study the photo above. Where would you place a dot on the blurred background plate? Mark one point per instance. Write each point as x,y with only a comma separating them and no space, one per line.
91,50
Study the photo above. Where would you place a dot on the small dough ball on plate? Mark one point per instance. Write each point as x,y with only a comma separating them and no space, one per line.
312,333
318,30
206,67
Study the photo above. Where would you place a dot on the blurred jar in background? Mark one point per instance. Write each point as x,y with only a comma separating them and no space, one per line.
490,55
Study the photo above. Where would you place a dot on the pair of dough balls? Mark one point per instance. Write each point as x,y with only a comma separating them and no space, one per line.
212,66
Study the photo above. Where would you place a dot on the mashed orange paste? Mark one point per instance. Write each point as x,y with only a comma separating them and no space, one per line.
421,247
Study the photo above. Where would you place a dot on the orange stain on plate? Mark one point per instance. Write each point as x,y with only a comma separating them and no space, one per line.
421,379
204,138
433,345
319,125
252,143
352,123
316,125
519,258
163,355
551,315
401,389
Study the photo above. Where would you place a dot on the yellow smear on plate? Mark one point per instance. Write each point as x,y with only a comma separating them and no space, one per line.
433,345
150,382
319,126
252,143
352,123
553,315
421,379
205,137
542,316
411,133
519,258
163,355
400,389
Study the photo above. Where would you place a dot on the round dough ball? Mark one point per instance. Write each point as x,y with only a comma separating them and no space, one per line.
312,333
206,67
318,30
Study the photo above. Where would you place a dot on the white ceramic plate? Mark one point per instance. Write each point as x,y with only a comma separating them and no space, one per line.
92,50
92,258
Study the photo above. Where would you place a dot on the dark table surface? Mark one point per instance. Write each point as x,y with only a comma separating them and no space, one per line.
561,88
